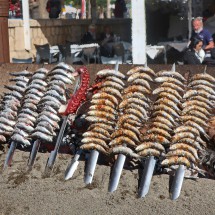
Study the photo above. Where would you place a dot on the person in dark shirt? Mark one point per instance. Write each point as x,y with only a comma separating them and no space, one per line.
194,53
204,34
54,8
120,8
106,37
90,35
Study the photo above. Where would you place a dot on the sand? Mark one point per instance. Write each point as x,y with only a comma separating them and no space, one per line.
23,192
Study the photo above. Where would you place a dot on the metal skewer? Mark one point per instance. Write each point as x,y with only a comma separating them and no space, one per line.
177,183
116,173
35,148
147,176
92,161
53,154
10,154
91,166
173,67
72,165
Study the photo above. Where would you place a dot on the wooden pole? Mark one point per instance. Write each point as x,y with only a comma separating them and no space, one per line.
4,35
138,31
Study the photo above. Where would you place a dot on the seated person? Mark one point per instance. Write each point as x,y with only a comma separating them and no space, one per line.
106,37
195,54
90,35
204,34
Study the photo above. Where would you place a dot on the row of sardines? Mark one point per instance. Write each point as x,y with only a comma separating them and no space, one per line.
30,107
123,106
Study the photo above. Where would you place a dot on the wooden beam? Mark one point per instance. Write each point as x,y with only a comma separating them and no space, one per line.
4,35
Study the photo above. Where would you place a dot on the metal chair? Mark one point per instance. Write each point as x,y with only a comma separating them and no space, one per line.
43,54
27,60
90,53
69,57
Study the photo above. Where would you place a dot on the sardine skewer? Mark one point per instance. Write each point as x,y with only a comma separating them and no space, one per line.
91,164
147,176
177,183
53,154
149,167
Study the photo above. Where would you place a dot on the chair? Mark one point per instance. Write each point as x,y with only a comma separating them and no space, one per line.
119,50
27,60
90,52
43,54
68,57
111,60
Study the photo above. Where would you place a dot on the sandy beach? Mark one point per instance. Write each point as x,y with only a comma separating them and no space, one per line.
23,192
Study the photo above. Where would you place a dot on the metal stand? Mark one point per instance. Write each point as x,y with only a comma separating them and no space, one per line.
72,165
116,173
177,183
147,176
91,166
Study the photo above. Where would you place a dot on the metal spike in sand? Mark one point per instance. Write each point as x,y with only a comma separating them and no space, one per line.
177,183
146,178
35,148
116,173
91,166
10,154
72,165
93,158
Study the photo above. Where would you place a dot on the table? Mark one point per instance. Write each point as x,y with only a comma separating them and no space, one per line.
178,45
154,51
88,50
